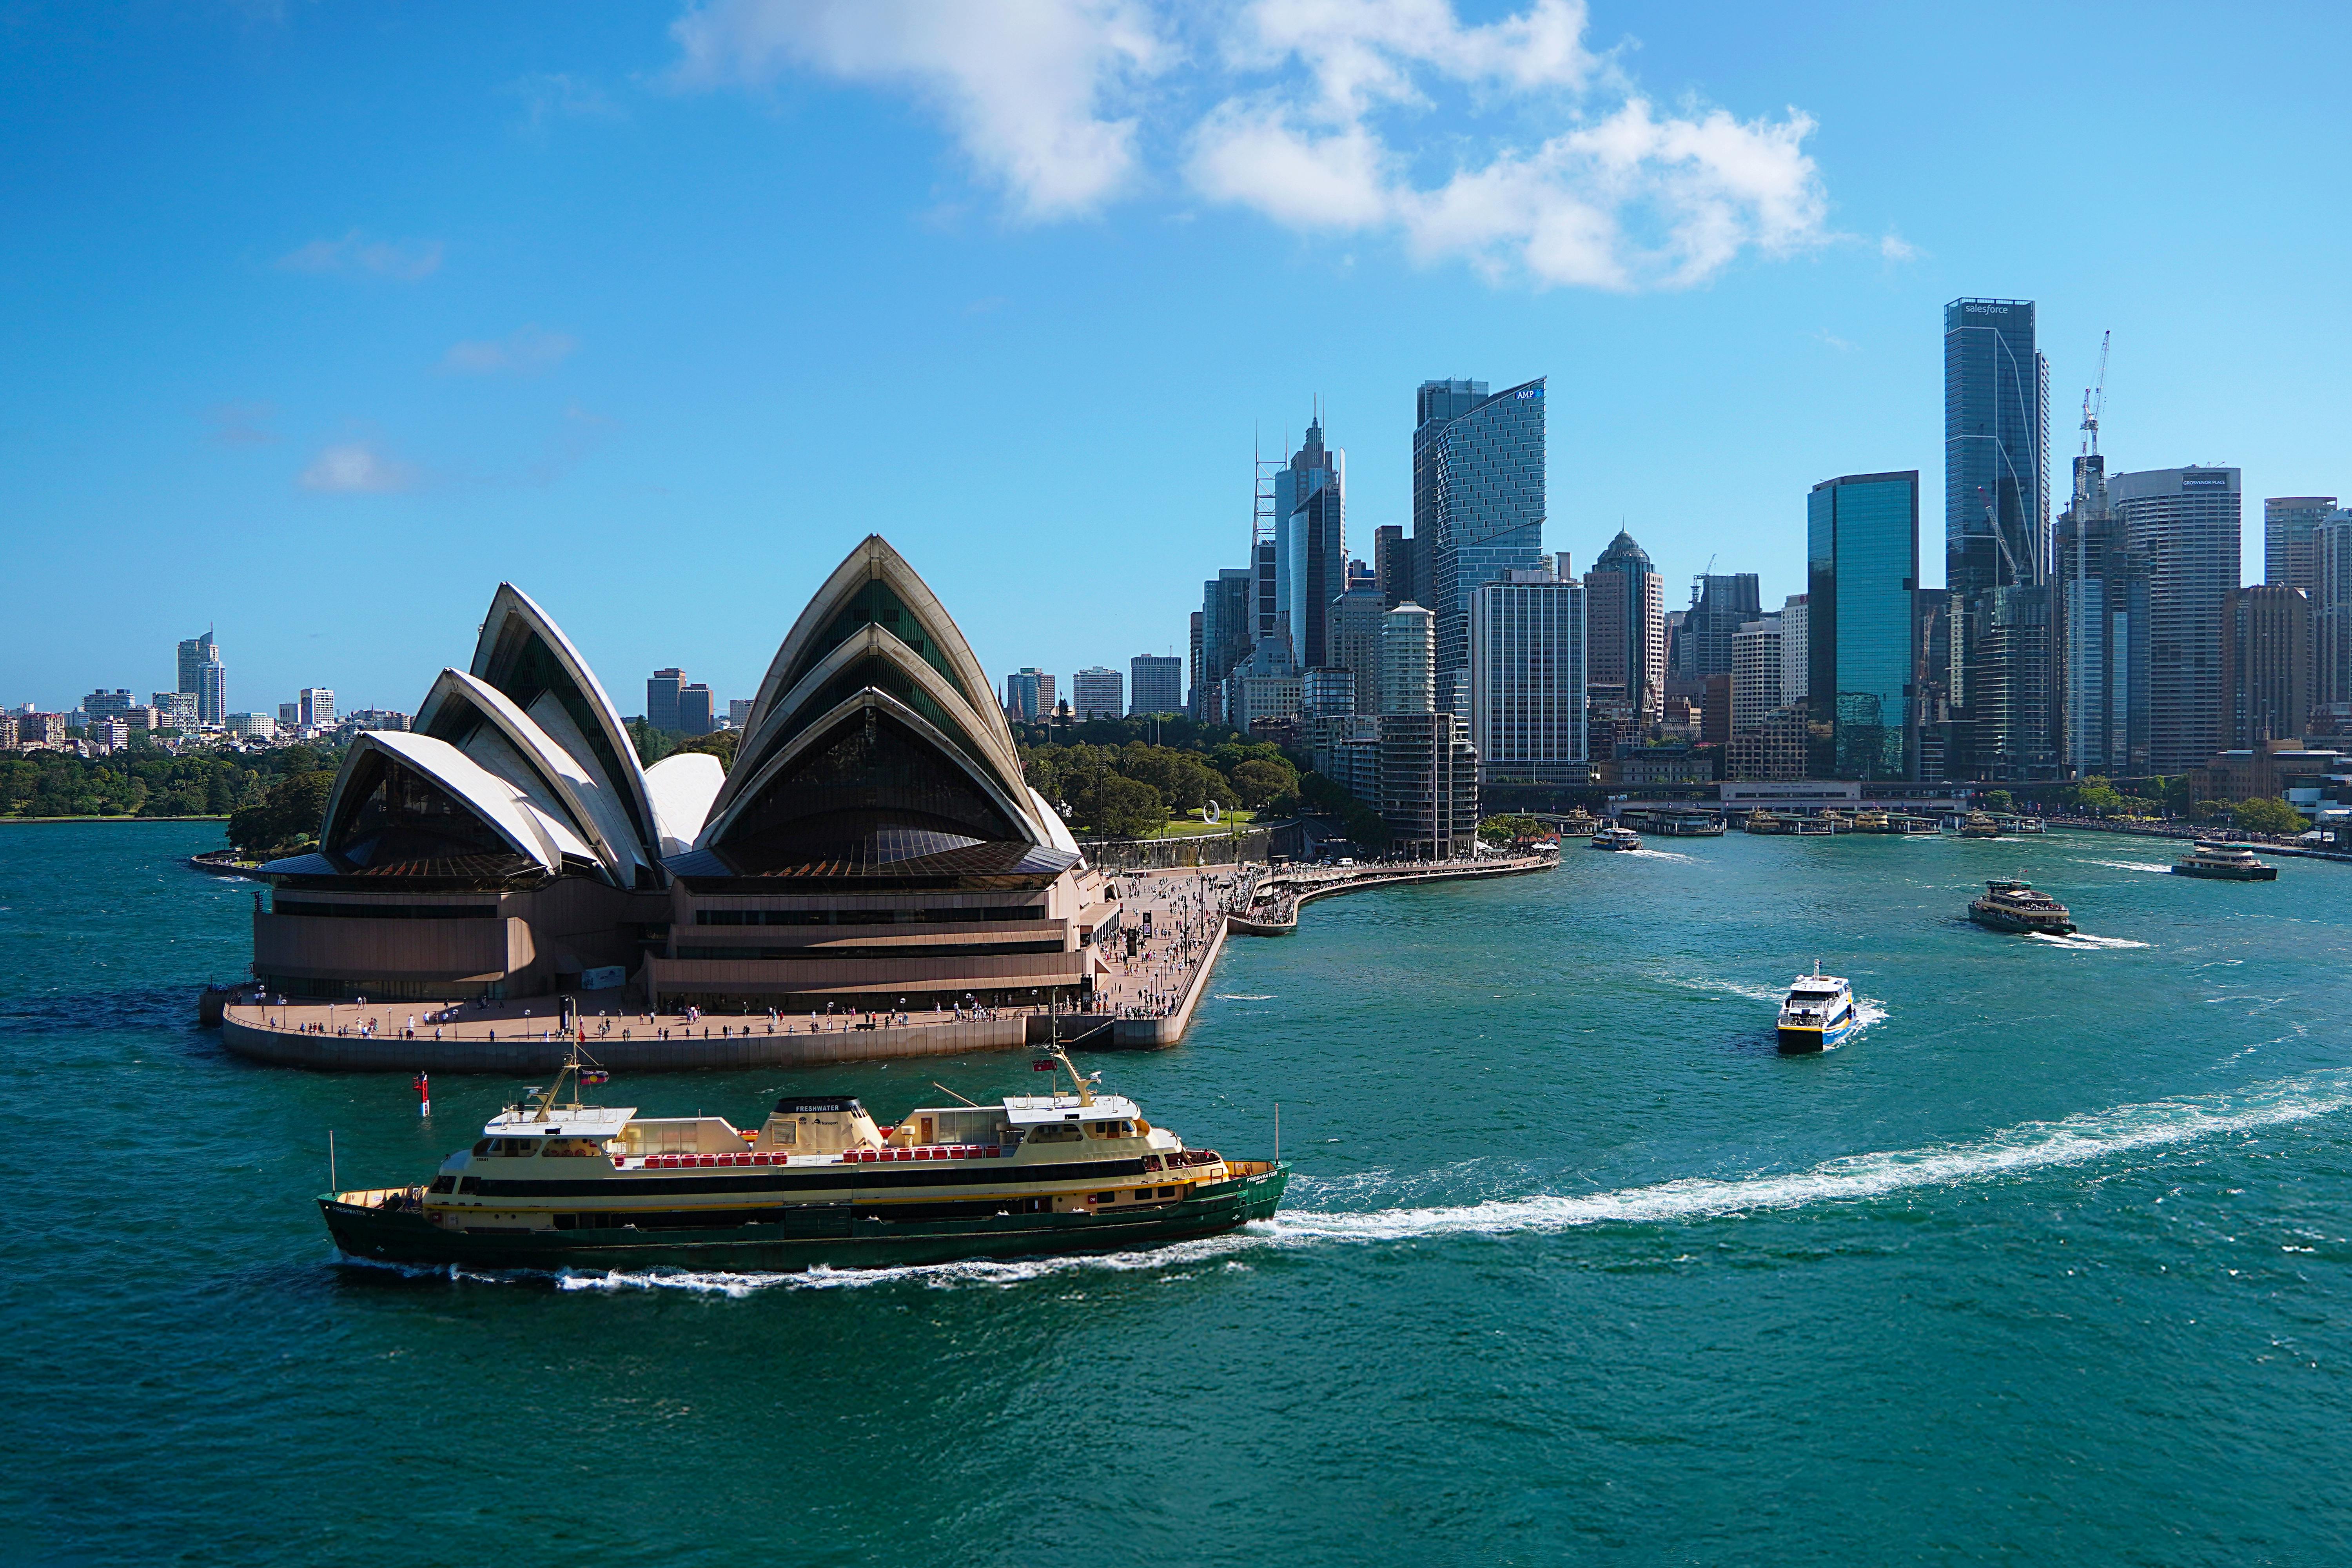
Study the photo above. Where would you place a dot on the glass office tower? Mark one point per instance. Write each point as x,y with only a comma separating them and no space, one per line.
1997,538
1478,496
1862,547
1310,544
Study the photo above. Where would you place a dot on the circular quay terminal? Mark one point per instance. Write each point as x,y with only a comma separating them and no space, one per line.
1556,777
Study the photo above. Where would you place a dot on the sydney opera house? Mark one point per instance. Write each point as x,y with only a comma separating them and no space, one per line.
874,846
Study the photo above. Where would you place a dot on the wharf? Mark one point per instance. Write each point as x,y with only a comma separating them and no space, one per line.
1274,911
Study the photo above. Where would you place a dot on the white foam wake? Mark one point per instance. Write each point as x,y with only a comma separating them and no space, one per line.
2033,1146
2129,865
2080,942
2014,1151
1653,854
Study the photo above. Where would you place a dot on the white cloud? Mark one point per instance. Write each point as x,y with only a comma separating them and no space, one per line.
1508,145
352,256
1895,247
1023,83
522,353
1618,197
355,468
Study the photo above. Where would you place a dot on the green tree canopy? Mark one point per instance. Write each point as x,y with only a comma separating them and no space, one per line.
2267,816
288,815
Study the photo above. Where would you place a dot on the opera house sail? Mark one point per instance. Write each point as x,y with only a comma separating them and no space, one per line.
874,845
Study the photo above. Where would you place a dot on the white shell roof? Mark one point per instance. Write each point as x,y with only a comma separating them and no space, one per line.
509,811
683,786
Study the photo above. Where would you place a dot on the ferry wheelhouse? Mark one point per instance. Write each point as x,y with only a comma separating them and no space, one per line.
1817,1013
556,1184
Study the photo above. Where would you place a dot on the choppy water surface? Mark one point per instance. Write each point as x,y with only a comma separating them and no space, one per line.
2047,1265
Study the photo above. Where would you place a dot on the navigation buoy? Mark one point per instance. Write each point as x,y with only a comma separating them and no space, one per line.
424,1095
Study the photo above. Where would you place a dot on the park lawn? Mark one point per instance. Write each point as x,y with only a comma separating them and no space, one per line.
1194,828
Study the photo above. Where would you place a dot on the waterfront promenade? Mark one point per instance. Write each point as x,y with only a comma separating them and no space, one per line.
1149,973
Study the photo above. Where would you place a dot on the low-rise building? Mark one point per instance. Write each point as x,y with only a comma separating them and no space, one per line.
1658,765
2267,772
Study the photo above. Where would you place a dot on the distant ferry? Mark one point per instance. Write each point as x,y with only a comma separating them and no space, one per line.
1818,1013
1978,824
2224,862
1615,836
2014,906
555,1183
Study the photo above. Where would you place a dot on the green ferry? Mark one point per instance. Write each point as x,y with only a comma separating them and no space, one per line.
555,1184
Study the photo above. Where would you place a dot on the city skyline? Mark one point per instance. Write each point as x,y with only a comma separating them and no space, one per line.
337,352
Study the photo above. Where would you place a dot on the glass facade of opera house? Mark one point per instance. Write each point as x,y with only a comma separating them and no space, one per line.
874,845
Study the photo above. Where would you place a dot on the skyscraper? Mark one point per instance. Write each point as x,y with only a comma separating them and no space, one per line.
2265,665
1626,620
1029,696
1356,617
1527,679
1228,632
1095,693
2101,611
2331,616
1720,604
2185,522
1156,684
694,708
1861,558
1193,659
1311,543
1756,666
661,698
1478,499
1408,681
204,678
1794,613
1997,544
1393,565
316,707
2288,523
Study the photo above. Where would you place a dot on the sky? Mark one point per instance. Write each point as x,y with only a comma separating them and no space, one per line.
321,319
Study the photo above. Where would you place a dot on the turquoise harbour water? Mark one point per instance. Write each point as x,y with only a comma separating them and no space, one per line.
2048,1264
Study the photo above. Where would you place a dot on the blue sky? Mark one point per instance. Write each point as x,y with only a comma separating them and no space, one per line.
320,320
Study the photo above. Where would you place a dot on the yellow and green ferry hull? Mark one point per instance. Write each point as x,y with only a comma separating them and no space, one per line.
835,1234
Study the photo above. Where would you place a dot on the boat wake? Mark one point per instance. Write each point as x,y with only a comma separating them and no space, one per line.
1752,993
1653,854
2015,1151
2129,865
2080,942
1240,996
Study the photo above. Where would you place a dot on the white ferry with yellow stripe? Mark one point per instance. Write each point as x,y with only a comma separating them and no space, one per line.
555,1185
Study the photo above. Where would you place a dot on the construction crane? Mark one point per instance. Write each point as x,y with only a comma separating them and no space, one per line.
1698,583
2095,401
